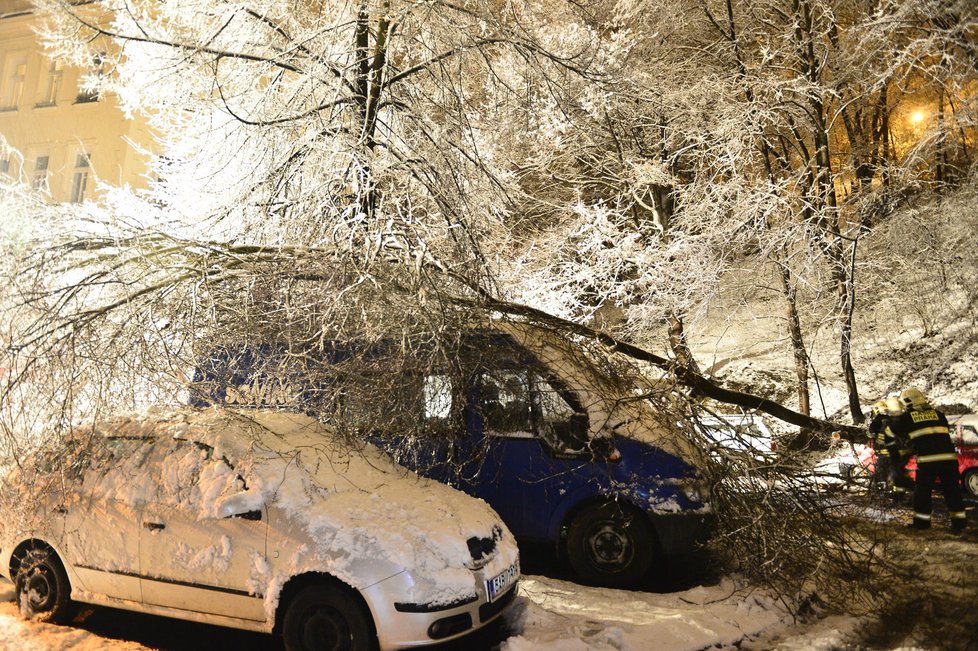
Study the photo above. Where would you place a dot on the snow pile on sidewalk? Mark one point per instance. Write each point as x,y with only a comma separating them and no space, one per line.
558,615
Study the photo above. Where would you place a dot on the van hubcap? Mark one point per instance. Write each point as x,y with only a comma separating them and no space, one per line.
610,546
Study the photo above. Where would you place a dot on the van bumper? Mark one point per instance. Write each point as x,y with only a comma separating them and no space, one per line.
680,533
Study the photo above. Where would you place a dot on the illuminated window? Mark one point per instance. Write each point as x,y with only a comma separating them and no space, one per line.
53,85
79,181
39,179
14,77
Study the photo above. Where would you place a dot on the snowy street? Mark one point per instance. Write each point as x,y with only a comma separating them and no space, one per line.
555,614
551,614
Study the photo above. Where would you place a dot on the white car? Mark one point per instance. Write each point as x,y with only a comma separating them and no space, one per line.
258,520
741,432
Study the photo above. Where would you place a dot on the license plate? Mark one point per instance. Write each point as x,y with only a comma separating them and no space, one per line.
500,583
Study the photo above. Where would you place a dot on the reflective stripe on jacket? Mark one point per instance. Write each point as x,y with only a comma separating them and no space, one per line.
928,434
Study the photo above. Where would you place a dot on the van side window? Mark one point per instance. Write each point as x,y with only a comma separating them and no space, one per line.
562,421
554,408
505,402
521,403
437,398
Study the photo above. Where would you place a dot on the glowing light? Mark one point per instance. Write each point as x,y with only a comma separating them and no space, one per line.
917,117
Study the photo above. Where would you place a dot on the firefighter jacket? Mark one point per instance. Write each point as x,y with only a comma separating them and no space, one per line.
927,434
880,436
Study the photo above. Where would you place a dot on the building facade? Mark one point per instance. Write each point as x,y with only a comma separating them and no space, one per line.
60,138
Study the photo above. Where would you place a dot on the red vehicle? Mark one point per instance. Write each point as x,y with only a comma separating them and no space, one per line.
964,433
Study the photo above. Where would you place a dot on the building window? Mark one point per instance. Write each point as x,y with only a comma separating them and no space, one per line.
14,77
53,86
94,77
79,181
39,179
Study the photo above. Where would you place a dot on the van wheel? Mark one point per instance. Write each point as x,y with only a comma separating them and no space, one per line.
611,545
42,587
970,481
325,618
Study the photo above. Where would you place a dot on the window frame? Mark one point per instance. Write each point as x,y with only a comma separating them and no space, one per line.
12,85
80,175
53,82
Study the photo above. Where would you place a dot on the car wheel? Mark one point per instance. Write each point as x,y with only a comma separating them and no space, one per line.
611,545
42,587
325,618
970,481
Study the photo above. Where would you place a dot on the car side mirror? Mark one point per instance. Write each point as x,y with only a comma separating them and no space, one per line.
240,505
571,440
603,449
249,515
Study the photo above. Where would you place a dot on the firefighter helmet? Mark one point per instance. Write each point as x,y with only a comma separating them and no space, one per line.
913,398
894,406
879,408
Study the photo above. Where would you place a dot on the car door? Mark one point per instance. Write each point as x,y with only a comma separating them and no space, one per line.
966,442
102,516
534,447
197,552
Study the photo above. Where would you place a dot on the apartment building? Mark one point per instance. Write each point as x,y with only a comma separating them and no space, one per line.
63,137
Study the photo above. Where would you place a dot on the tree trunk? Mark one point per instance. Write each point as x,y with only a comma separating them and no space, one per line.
680,347
847,307
696,383
825,210
797,339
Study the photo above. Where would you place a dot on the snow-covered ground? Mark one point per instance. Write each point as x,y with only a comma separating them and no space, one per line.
550,615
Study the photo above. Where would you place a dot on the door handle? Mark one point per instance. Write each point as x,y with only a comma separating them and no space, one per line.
154,526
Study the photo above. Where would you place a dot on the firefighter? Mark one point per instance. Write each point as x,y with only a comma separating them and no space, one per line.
877,440
891,456
926,431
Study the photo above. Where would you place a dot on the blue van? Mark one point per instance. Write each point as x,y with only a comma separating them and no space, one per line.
565,457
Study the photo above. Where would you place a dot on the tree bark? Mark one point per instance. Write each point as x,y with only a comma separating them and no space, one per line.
797,338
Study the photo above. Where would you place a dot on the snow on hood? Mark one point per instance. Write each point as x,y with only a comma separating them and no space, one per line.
356,514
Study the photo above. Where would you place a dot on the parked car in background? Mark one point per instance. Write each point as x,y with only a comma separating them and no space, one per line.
964,432
739,432
566,458
256,520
